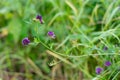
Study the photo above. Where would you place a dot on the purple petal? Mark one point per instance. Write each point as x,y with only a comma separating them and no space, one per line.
25,41
107,63
40,18
51,34
99,70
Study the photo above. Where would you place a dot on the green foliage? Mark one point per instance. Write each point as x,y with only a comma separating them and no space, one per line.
82,28
14,27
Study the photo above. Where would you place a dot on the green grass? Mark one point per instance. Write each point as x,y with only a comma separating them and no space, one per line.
82,28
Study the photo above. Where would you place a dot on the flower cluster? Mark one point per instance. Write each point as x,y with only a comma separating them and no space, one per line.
51,34
99,70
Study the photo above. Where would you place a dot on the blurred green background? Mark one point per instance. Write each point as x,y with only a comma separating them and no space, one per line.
82,29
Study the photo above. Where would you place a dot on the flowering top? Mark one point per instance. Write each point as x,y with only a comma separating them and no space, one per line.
39,18
99,70
107,63
51,34
25,41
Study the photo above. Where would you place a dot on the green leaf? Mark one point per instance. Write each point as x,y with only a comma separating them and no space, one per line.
14,28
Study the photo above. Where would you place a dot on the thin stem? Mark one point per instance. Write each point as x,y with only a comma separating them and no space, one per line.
104,54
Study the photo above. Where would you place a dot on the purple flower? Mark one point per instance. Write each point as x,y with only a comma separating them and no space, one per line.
105,48
25,41
51,34
107,63
99,70
39,18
